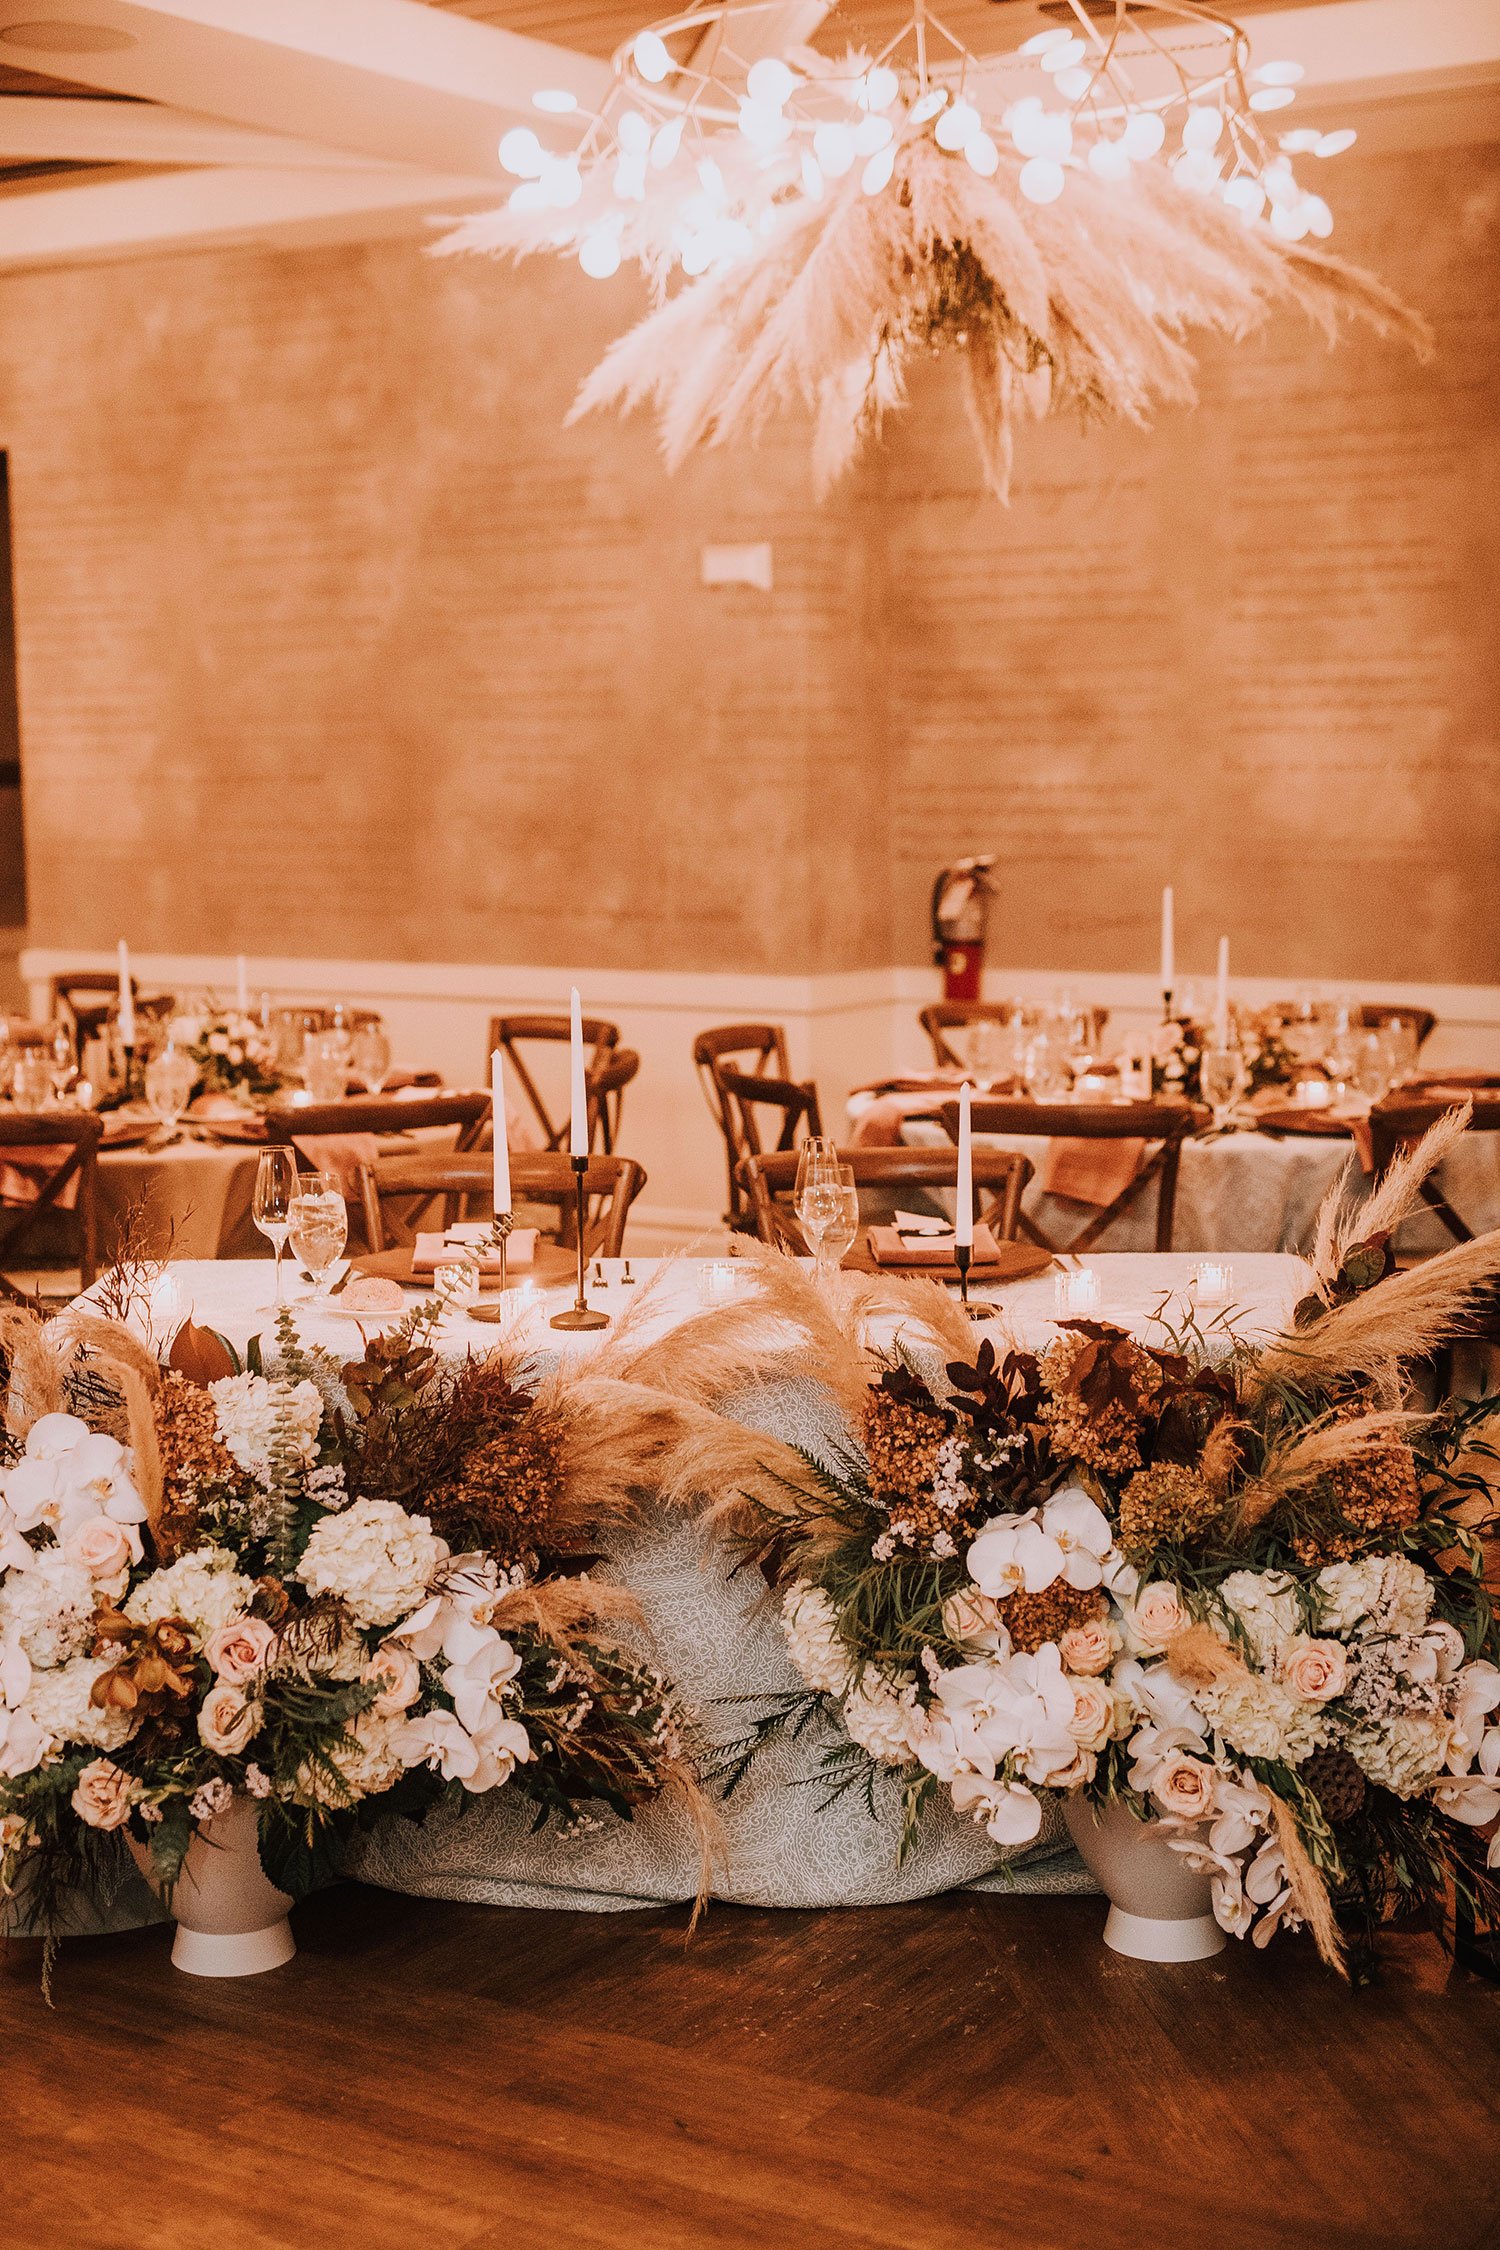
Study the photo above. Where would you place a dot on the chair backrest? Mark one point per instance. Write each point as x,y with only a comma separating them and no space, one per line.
511,1033
940,1017
380,1113
753,1050
793,1107
604,1087
1376,1014
91,996
78,1132
1402,1118
1161,1125
610,1185
1000,1176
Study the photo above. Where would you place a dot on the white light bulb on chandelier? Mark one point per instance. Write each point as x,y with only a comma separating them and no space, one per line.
1289,220
1302,142
1202,126
698,252
1108,161
1279,74
711,179
1246,196
632,132
956,125
812,176
833,145
1272,97
529,196
561,182
1278,181
872,133
666,144
1064,53
1073,84
763,127
1042,180
930,104
1143,135
556,100
1319,217
599,253
651,57
879,88
1041,42
1334,144
1196,169
879,169
630,180
770,81
522,153
982,153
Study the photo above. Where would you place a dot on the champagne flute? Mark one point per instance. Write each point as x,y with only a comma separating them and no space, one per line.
817,1155
319,1226
275,1180
372,1055
829,1211
1223,1077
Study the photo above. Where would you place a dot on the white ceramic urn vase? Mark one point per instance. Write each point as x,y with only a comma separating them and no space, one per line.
231,1919
1160,1909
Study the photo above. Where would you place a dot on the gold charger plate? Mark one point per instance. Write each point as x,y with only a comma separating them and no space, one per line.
1016,1261
550,1264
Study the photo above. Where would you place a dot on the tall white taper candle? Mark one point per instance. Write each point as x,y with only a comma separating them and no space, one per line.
127,999
502,1145
1221,997
241,985
1168,954
963,1217
578,1142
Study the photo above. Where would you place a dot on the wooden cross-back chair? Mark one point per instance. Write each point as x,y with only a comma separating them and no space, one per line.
538,1179
1399,1120
756,1108
510,1033
754,1050
1000,1177
1376,1014
77,1134
1165,1124
940,1017
604,1089
468,1114
91,996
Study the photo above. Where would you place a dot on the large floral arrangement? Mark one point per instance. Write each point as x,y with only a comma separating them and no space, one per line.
1177,1052
1236,1587
334,1589
232,1054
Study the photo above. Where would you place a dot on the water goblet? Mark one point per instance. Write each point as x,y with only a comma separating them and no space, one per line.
325,1064
319,1226
62,1059
32,1081
271,1209
372,1055
1372,1066
829,1211
170,1079
1223,1077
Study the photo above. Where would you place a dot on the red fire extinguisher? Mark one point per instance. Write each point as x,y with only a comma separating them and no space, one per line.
960,909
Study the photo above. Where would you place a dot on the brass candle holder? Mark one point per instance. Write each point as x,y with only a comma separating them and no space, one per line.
963,1258
580,1314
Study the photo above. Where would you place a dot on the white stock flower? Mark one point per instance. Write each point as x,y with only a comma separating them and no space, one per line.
254,1411
814,1644
203,1588
1266,1605
883,1719
1379,1594
48,1610
375,1558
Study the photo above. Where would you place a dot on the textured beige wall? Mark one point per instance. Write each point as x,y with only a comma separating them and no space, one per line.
334,642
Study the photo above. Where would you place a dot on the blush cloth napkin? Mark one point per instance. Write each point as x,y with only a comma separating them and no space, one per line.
430,1251
889,1246
1090,1172
342,1154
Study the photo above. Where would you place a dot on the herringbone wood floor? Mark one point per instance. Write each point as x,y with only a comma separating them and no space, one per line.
960,2074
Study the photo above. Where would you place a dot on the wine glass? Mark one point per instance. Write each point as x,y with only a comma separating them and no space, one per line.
1372,1066
170,1079
1048,1074
62,1060
817,1155
1223,1078
372,1055
31,1086
319,1226
275,1181
829,1211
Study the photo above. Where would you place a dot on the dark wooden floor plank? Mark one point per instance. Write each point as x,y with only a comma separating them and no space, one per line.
960,2073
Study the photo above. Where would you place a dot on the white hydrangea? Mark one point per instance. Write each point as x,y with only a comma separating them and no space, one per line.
49,1608
810,1623
883,1719
375,1557
248,1409
1378,1594
1265,1602
1402,1755
60,1703
369,1770
1260,1719
204,1589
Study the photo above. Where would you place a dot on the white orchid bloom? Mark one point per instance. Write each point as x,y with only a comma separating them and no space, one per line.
23,1744
475,1683
1476,1695
1010,1814
1232,1910
1031,1719
1153,1689
947,1745
1152,1747
14,1552
15,1674
1242,1812
65,1487
54,1434
1474,1800
1080,1529
438,1738
1011,1553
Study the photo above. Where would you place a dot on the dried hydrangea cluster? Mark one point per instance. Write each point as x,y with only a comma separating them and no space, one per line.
218,1607
1202,1579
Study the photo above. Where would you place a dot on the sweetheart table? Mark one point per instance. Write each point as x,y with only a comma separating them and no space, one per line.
717,1636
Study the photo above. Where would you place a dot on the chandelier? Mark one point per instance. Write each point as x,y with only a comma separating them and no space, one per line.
1059,213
